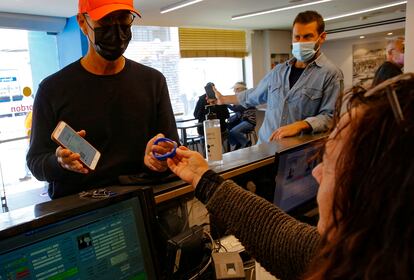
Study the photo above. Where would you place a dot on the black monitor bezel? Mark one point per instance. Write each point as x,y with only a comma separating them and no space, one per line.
148,216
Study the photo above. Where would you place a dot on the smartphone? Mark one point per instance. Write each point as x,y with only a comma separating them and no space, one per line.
67,137
209,91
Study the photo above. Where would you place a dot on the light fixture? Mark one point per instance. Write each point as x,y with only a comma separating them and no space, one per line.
362,37
178,5
274,10
367,10
389,33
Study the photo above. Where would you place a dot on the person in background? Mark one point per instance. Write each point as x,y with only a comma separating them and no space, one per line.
395,51
242,122
385,71
361,232
300,93
394,64
204,106
118,105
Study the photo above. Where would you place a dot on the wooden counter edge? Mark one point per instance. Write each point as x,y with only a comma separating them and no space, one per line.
226,175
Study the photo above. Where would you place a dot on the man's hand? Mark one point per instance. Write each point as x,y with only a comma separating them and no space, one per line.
289,130
150,161
188,165
69,160
219,96
225,99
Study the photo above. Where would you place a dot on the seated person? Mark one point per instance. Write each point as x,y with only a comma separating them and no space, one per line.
365,197
385,71
202,109
242,122
394,64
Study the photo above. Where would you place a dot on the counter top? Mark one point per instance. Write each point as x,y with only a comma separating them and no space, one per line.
233,164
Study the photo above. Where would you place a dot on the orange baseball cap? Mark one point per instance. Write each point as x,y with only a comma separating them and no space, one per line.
97,9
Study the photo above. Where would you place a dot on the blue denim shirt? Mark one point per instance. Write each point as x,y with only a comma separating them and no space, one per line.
311,99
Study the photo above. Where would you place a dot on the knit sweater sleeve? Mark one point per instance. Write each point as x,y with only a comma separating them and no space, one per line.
281,244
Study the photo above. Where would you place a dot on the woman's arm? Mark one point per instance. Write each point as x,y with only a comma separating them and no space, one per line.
281,244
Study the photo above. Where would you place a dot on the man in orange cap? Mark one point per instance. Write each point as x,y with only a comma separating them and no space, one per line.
118,105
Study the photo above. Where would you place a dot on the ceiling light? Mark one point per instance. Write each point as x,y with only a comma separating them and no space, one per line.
389,33
274,10
178,5
367,10
362,37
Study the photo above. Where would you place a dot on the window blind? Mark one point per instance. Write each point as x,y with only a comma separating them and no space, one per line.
198,42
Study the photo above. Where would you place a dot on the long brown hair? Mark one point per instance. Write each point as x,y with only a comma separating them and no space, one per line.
373,204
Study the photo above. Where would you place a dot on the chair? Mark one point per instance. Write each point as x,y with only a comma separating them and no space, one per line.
196,143
252,136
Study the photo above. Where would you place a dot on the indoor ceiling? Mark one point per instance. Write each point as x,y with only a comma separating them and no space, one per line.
218,13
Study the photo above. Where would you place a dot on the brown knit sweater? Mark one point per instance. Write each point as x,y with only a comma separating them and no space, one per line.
281,244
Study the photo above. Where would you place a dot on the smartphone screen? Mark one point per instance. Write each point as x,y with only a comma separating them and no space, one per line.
68,138
209,91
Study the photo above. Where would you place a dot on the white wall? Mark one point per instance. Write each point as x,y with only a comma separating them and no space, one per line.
278,42
265,42
257,57
340,53
248,61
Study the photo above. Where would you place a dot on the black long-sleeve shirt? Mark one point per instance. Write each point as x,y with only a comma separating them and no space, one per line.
119,113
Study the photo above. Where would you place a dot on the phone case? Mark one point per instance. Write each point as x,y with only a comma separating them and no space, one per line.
57,141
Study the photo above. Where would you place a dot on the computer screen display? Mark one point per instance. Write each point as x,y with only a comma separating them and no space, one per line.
295,184
104,243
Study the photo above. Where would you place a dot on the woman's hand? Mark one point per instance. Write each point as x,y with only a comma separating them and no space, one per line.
188,165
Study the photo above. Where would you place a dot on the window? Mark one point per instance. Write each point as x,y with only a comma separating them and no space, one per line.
26,57
158,47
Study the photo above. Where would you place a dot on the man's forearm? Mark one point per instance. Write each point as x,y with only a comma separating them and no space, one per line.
304,126
229,99
320,122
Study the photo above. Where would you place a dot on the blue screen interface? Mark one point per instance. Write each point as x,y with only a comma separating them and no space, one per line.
102,244
295,184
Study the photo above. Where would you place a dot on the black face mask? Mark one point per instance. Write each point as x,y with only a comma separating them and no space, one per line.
111,41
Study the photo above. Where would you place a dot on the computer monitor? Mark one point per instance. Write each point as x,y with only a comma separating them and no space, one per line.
107,239
295,184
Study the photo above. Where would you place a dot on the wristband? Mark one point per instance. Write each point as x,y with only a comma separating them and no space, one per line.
170,154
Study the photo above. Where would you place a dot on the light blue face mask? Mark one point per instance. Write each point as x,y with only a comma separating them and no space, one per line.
304,51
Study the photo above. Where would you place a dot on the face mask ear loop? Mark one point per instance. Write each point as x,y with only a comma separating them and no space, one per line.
93,29
319,47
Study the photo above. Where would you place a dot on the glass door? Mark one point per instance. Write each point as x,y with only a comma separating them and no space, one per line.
26,57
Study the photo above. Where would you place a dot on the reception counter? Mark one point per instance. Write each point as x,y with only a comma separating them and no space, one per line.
41,234
238,162
233,164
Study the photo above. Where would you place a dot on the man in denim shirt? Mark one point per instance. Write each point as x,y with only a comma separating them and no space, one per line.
301,93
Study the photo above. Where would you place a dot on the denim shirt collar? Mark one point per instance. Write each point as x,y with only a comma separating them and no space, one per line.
319,61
